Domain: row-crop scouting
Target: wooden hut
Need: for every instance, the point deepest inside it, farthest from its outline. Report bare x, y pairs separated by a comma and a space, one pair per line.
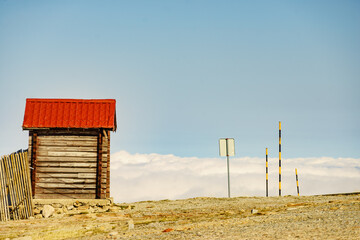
69, 147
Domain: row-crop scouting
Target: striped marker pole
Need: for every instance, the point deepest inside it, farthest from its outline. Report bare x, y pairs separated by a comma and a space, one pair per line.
279, 158
267, 174
297, 182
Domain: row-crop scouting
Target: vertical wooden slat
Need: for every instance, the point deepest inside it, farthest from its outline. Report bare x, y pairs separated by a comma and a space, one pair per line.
99, 165
15, 211
22, 192
28, 184
108, 166
21, 185
5, 190
16, 182
19, 189
4, 207
22, 176
10, 186
33, 162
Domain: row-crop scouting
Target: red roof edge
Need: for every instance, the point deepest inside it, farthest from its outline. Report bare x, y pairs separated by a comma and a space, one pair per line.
70, 113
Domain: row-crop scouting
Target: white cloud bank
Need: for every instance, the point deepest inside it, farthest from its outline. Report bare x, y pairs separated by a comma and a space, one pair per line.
137, 177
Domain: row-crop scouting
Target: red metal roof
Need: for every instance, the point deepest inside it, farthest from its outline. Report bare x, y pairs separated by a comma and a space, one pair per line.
70, 113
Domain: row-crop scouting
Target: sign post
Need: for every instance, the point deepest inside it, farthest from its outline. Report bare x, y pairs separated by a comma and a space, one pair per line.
227, 148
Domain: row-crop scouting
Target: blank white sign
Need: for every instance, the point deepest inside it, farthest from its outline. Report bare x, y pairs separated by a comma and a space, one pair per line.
227, 147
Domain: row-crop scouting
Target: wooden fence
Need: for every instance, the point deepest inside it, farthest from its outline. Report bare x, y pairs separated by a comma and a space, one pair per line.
15, 187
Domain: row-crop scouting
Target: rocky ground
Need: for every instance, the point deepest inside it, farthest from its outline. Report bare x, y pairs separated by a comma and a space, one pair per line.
289, 217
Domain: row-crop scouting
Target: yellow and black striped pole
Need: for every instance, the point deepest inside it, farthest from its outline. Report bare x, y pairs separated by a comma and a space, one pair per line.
297, 182
279, 158
267, 174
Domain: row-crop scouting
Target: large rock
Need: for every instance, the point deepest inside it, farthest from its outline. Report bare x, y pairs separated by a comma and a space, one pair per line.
36, 211
84, 207
113, 234
57, 205
23, 238
254, 211
130, 224
114, 209
48, 211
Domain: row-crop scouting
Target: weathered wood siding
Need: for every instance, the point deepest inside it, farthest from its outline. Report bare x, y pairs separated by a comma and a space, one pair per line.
66, 164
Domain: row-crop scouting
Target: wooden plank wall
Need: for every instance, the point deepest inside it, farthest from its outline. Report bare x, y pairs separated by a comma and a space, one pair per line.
67, 166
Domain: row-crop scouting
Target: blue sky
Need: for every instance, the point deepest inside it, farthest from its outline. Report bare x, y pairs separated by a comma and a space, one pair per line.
186, 73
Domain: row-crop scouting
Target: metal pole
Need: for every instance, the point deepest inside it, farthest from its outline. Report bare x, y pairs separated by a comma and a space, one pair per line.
267, 172
228, 168
228, 176
297, 182
279, 158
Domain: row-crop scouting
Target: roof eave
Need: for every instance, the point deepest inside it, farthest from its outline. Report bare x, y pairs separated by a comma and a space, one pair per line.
49, 128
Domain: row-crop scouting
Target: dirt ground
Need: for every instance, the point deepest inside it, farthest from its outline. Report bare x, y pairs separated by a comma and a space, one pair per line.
289, 217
